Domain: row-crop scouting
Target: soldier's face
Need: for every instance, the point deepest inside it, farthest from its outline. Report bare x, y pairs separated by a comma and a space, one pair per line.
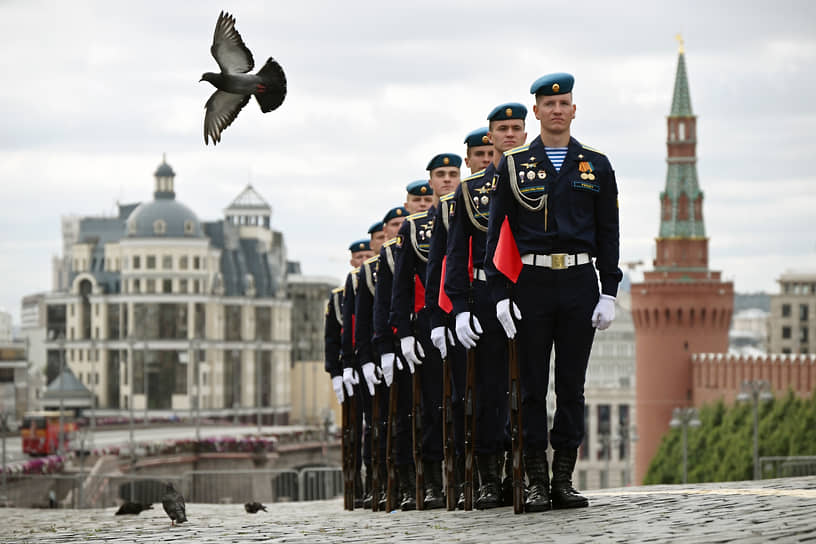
377, 240
555, 113
392, 227
478, 158
507, 134
357, 257
418, 203
444, 180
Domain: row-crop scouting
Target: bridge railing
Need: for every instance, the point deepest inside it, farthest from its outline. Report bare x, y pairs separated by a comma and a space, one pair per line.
787, 466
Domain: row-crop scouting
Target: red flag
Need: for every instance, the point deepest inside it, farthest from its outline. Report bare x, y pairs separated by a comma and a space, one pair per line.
507, 258
419, 294
353, 326
444, 302
470, 259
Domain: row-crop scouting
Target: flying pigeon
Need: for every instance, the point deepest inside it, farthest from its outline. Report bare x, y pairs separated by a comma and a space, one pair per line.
254, 507
234, 83
133, 508
173, 504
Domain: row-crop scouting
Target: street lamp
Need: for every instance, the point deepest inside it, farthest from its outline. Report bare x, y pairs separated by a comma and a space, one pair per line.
61, 434
94, 377
196, 392
684, 418
755, 391
258, 380
132, 344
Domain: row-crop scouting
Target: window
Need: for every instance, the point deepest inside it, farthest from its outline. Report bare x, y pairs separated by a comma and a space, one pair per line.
196, 263
803, 312
786, 333
604, 430
189, 227
137, 261
786, 350
159, 226
182, 286
150, 262
167, 262
803, 334
167, 286
150, 286
136, 285
183, 262
786, 310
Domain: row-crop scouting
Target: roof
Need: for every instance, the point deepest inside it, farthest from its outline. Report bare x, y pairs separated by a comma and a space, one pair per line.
249, 199
681, 100
66, 386
141, 222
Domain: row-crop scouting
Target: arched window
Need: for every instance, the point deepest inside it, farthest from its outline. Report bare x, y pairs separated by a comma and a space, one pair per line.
159, 226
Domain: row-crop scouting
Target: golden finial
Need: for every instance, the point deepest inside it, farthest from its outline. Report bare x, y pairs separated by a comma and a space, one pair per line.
680, 48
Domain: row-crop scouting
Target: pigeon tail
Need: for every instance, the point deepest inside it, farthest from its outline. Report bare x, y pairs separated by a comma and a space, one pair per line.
271, 92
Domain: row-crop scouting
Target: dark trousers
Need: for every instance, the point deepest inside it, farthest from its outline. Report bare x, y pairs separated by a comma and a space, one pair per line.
457, 362
364, 406
381, 398
491, 377
431, 377
403, 447
556, 308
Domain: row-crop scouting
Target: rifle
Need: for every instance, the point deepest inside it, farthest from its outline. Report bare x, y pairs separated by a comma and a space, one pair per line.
390, 441
516, 432
375, 450
469, 423
416, 414
348, 454
447, 434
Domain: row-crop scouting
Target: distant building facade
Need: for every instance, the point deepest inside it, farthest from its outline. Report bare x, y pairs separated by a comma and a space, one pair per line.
165, 310
793, 314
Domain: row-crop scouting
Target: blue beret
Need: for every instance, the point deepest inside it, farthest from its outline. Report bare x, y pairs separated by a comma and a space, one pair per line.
444, 159
376, 227
360, 245
399, 211
477, 138
552, 84
511, 110
420, 187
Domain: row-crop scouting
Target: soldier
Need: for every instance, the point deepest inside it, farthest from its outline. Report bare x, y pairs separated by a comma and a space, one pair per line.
412, 326
419, 198
476, 324
478, 155
360, 251
553, 210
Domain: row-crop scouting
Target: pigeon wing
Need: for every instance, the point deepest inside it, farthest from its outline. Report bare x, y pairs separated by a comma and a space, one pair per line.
228, 48
221, 110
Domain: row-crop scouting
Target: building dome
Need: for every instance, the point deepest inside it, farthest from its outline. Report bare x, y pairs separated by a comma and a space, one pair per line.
164, 170
163, 218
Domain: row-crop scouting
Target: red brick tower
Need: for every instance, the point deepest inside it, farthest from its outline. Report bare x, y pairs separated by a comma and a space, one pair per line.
681, 307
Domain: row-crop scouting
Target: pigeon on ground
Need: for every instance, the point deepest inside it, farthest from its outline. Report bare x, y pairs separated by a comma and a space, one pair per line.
234, 83
173, 504
254, 507
133, 508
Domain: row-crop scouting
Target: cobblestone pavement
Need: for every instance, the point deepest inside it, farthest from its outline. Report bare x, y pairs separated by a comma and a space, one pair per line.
782, 510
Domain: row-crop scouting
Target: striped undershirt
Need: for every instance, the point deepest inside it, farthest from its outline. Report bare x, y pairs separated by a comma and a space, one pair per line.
557, 156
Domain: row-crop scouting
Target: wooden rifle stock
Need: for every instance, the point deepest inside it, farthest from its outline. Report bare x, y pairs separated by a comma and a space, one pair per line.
348, 453
390, 441
447, 432
416, 416
469, 424
375, 449
516, 429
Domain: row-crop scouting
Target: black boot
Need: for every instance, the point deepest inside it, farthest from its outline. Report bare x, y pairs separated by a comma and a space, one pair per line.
382, 492
563, 494
491, 482
507, 482
538, 474
358, 489
407, 485
459, 469
367, 495
433, 485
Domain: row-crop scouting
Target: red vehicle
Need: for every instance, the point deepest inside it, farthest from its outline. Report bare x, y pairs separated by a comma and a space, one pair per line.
40, 432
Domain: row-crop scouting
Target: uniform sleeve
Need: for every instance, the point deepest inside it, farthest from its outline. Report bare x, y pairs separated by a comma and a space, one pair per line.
402, 292
348, 324
332, 346
383, 335
500, 207
439, 242
363, 318
457, 283
607, 227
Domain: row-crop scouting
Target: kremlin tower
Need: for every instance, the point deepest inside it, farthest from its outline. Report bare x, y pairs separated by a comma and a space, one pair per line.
681, 307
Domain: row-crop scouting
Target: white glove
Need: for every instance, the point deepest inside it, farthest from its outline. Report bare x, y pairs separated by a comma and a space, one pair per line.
337, 385
387, 365
439, 340
468, 336
412, 351
370, 375
505, 315
604, 312
351, 379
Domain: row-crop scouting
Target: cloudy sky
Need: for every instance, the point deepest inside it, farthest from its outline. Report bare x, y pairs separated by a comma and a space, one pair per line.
94, 92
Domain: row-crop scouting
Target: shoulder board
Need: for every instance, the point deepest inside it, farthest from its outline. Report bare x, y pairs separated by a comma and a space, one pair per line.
593, 149
447, 197
518, 149
477, 175
372, 260
391, 242
338, 289
355, 271
418, 215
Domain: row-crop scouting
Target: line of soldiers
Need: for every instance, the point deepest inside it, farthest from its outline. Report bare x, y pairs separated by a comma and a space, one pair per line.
441, 337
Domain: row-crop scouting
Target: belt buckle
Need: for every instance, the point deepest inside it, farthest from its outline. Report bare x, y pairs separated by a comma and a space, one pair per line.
558, 261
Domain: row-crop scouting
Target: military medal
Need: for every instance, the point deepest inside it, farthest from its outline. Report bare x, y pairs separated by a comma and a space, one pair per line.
586, 169
485, 200
531, 175
542, 174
